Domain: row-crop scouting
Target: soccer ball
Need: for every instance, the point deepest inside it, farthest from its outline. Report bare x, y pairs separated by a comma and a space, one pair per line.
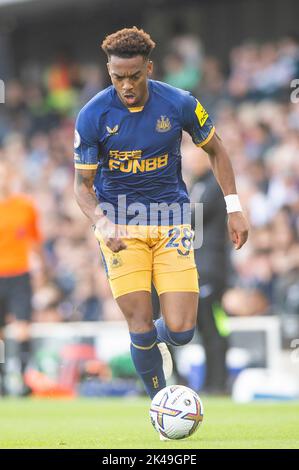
176, 412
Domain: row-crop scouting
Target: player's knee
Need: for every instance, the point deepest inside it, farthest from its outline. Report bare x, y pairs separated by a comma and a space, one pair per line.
138, 322
140, 327
137, 313
181, 337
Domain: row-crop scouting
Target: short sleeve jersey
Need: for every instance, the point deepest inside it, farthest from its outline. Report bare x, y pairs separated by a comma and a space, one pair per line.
136, 151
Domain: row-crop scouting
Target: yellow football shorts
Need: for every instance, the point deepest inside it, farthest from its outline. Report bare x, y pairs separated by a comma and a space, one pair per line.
160, 254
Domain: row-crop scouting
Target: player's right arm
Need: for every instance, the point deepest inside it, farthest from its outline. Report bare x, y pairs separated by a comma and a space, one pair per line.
85, 195
86, 164
89, 204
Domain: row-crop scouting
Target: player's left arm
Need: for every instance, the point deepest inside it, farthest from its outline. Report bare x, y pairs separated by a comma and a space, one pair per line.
197, 122
221, 165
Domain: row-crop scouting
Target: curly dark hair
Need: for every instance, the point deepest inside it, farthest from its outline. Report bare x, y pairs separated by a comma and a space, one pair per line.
128, 42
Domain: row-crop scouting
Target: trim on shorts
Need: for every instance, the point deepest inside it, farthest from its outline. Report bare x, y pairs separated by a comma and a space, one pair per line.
178, 291
130, 291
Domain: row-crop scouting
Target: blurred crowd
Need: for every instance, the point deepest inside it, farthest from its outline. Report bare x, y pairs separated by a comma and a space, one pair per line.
249, 98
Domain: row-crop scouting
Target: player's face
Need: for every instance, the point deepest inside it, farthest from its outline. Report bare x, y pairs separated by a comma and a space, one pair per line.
129, 77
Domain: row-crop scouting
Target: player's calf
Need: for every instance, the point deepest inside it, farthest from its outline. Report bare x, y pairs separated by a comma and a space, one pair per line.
148, 361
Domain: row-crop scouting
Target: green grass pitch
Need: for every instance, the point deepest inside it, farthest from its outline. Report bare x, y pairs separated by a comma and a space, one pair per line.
125, 424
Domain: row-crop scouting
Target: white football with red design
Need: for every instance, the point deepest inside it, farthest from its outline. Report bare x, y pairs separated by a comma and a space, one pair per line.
176, 412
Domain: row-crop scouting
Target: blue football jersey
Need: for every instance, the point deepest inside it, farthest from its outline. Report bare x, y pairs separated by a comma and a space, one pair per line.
136, 151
